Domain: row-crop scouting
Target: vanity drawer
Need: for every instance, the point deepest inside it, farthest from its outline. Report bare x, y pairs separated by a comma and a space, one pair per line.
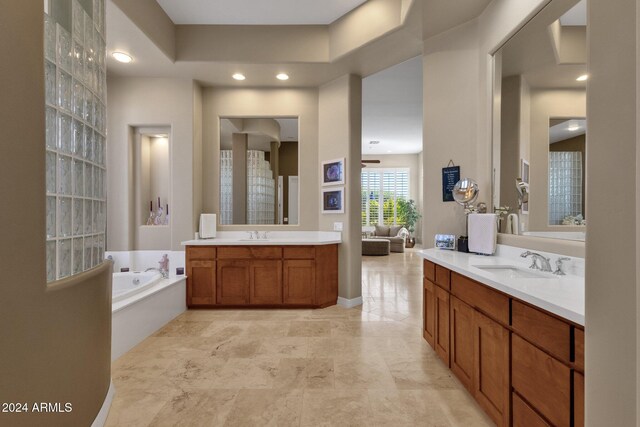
524, 415
249, 252
299, 252
491, 303
429, 271
201, 252
443, 277
545, 331
542, 380
578, 339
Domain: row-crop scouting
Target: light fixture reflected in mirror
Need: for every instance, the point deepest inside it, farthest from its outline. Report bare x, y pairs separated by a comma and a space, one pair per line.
125, 58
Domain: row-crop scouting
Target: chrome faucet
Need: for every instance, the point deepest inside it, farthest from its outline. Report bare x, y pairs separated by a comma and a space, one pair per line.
559, 270
546, 266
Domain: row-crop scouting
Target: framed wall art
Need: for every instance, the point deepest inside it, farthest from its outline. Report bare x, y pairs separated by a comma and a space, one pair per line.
333, 200
333, 172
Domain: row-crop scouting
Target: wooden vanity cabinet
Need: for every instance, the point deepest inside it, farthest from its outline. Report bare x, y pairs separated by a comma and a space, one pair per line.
524, 366
429, 312
299, 281
462, 342
201, 276
491, 368
271, 276
442, 324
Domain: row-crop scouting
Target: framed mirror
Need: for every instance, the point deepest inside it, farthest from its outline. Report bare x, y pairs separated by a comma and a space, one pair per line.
539, 147
259, 177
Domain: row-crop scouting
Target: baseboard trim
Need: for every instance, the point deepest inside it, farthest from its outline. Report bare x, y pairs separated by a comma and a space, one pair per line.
101, 418
350, 303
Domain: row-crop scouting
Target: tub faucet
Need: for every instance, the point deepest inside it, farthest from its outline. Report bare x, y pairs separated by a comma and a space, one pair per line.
546, 266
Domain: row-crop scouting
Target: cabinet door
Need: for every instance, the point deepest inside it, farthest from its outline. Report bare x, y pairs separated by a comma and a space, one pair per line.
542, 381
233, 282
491, 360
442, 324
201, 283
461, 319
266, 282
429, 315
299, 282
578, 399
524, 415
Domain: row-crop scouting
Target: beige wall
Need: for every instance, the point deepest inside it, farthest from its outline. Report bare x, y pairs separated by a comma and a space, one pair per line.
450, 125
55, 340
612, 241
340, 135
147, 102
230, 102
414, 163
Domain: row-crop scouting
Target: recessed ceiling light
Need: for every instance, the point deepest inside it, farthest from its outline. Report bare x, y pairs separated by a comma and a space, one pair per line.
125, 58
582, 78
282, 76
238, 76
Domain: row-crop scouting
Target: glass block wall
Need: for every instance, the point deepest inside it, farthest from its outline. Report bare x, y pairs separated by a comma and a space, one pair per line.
565, 185
75, 97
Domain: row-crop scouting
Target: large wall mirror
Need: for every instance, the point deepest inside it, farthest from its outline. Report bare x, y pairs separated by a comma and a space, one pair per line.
539, 158
259, 177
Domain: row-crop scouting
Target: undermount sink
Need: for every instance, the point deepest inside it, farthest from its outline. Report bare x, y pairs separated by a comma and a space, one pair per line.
512, 272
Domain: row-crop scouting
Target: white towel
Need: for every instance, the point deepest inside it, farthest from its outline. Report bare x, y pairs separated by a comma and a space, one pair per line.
207, 226
483, 233
513, 226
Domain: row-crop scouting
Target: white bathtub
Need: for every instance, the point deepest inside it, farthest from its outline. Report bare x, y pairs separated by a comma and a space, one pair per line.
126, 285
143, 302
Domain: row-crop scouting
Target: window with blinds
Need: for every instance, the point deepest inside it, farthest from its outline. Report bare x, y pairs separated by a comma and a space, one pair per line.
381, 191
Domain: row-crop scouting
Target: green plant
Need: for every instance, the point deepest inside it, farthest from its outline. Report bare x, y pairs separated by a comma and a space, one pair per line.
408, 214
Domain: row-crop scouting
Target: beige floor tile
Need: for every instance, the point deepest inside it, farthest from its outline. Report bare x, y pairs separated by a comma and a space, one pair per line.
196, 408
336, 408
255, 373
186, 328
365, 372
266, 408
310, 328
301, 373
136, 407
284, 347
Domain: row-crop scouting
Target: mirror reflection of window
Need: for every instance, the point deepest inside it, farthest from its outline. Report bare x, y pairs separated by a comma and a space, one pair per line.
567, 152
259, 171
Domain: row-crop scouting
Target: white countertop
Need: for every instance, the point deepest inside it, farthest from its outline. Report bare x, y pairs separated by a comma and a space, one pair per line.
275, 238
560, 295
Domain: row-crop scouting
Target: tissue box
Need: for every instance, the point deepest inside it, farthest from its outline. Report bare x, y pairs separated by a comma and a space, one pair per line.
207, 226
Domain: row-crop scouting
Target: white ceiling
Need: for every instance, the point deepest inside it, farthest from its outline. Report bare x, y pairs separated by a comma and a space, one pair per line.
560, 131
257, 12
577, 15
530, 53
392, 109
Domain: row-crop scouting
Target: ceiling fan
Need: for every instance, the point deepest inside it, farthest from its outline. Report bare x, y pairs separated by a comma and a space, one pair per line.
364, 162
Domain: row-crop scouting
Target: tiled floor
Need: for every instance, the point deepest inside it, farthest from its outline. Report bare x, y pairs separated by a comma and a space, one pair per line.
363, 366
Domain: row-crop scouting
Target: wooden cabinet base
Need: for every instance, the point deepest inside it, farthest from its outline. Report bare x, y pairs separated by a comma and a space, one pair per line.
262, 277
523, 365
